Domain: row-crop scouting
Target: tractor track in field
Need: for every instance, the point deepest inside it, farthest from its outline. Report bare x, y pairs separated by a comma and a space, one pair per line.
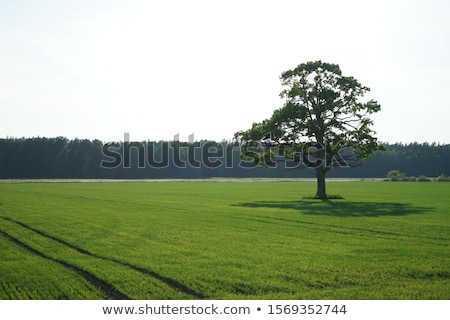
109, 290
168, 281
349, 230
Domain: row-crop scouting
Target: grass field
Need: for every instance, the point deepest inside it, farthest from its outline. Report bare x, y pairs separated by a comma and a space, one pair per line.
224, 240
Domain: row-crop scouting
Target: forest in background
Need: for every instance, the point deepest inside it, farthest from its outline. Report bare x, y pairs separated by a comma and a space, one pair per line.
52, 158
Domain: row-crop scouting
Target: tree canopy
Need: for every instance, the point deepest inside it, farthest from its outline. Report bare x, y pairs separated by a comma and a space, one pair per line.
322, 124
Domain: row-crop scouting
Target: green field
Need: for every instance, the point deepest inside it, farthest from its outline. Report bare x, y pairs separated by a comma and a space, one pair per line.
224, 240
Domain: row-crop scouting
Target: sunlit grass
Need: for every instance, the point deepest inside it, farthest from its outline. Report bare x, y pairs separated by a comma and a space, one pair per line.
224, 240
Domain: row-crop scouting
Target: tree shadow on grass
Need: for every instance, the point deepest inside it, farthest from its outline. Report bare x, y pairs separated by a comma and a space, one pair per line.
342, 208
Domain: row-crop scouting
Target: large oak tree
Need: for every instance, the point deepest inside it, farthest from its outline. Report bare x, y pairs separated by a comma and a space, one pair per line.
323, 123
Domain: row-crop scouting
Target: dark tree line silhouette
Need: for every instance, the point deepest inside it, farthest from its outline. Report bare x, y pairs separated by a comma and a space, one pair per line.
47, 158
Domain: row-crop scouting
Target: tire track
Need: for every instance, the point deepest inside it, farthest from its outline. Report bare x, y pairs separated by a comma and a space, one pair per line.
169, 281
351, 230
109, 290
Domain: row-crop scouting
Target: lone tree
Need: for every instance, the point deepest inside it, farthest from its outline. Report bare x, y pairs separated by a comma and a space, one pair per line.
323, 123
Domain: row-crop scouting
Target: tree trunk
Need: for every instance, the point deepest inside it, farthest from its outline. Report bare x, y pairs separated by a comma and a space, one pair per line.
321, 190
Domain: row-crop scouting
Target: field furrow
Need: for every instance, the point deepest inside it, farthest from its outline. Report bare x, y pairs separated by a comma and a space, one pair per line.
227, 240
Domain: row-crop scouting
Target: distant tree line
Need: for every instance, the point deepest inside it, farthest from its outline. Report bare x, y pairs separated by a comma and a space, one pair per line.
396, 175
47, 158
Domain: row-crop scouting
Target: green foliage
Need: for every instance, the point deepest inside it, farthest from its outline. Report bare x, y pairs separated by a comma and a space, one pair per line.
323, 118
62, 158
443, 178
423, 179
396, 175
224, 240
322, 108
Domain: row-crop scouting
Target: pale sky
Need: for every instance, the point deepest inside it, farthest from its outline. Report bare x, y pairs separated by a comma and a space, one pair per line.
96, 69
